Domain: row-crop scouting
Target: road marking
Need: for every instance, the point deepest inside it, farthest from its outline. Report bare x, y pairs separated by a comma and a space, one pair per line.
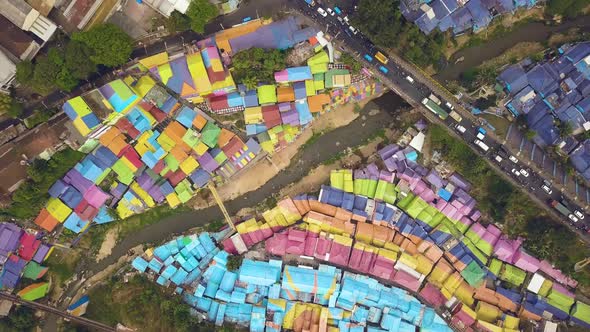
554, 168
509, 131
533, 152
521, 144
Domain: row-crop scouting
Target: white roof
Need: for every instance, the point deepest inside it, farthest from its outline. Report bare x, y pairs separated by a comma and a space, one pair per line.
418, 142
550, 327
7, 68
536, 283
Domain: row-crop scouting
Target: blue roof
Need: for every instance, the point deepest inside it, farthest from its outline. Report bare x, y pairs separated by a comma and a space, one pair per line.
259, 273
139, 264
186, 116
74, 223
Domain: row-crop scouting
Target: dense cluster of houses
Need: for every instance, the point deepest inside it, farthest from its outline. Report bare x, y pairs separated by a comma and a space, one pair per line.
548, 92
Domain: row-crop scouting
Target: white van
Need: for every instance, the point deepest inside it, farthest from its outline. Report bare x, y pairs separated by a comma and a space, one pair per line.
410, 79
481, 145
460, 129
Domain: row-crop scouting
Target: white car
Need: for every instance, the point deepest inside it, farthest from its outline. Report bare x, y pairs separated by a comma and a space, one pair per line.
515, 172
339, 18
353, 29
451, 107
410, 79
573, 218
460, 129
498, 158
524, 173
346, 18
480, 136
579, 214
322, 12
513, 159
546, 189
330, 11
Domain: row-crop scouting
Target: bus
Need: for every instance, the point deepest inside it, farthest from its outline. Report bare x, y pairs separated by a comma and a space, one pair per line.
382, 58
434, 108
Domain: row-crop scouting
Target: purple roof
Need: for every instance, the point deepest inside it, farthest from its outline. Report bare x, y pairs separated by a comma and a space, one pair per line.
434, 179
290, 117
460, 182
388, 151
76, 179
208, 163
96, 197
57, 188
9, 236
41, 253
200, 177
156, 193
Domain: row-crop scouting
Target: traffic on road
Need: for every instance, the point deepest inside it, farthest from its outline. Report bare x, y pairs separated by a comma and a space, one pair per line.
338, 24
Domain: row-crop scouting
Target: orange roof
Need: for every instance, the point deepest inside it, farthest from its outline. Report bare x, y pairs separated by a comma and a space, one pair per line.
178, 153
316, 103
117, 144
46, 221
285, 93
326, 209
109, 135
313, 40
176, 132
224, 137
343, 214
199, 122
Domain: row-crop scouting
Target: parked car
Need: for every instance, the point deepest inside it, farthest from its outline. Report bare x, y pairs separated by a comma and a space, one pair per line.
353, 29
515, 172
460, 129
524, 172
340, 19
513, 159
573, 218
547, 189
322, 12
498, 158
579, 214
383, 69
337, 10
330, 11
451, 107
410, 79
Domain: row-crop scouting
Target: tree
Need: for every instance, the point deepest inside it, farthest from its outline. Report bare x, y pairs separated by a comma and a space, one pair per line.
15, 110
565, 129
257, 65
5, 103
24, 72
21, 319
200, 12
568, 8
77, 55
45, 74
351, 62
110, 45
530, 134
234, 262
177, 22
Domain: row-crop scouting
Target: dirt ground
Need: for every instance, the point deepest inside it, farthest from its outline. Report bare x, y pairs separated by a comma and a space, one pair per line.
110, 240
267, 168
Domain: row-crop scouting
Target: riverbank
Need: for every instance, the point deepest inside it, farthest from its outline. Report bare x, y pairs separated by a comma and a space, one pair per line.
536, 32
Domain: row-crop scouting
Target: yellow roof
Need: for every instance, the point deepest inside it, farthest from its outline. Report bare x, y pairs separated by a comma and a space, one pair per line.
143, 86
165, 72
198, 72
155, 60
253, 115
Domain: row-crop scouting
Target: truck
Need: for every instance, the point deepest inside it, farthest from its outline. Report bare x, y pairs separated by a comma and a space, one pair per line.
481, 145
434, 108
560, 207
434, 99
381, 58
455, 116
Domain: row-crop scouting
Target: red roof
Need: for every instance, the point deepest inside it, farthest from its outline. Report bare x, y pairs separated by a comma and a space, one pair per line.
271, 116
233, 146
86, 211
28, 246
157, 113
133, 157
218, 102
176, 177
160, 165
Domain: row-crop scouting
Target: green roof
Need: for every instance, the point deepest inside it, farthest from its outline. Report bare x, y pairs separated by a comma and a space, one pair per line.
171, 162
473, 274
321, 57
210, 133
513, 275
581, 311
267, 94
331, 73
190, 137
34, 292
495, 266
34, 270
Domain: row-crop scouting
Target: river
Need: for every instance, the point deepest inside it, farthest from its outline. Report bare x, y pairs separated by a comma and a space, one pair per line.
328, 145
529, 32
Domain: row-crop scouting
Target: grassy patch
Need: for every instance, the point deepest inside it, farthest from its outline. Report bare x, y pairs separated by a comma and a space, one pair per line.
141, 304
152, 216
312, 140
215, 226
62, 264
501, 124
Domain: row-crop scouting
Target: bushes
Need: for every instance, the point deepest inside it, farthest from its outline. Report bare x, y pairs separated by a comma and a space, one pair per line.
257, 65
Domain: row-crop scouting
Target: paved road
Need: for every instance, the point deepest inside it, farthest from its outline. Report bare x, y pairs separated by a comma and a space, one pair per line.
396, 70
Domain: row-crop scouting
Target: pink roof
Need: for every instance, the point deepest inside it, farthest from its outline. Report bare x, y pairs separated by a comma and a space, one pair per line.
556, 274
490, 238
563, 290
339, 254
526, 261
296, 235
229, 247
494, 230
475, 215
478, 229
383, 268
440, 205
432, 295
428, 195
506, 248
406, 280
386, 176
322, 248
310, 244
96, 197
464, 317
295, 247
277, 244
466, 221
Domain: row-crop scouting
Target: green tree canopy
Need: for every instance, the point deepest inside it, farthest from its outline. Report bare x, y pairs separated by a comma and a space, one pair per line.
24, 72
567, 8
257, 65
200, 12
5, 102
110, 45
177, 22
45, 74
77, 55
